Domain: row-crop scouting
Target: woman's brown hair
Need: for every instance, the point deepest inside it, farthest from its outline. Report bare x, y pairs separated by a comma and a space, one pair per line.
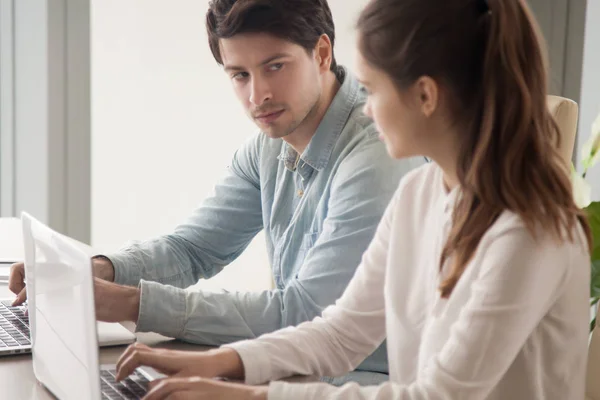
489, 56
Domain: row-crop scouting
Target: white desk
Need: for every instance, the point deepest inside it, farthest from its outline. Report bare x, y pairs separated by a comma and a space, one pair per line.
18, 382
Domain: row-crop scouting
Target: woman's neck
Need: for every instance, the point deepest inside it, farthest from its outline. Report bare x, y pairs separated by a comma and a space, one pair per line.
444, 149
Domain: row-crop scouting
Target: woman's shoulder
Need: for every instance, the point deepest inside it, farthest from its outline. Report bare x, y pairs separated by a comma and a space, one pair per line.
421, 178
510, 224
421, 184
419, 193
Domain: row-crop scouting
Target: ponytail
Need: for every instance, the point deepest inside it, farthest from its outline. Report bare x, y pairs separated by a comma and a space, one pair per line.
489, 53
512, 161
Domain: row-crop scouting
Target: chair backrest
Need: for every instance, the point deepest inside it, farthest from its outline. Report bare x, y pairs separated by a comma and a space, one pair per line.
565, 113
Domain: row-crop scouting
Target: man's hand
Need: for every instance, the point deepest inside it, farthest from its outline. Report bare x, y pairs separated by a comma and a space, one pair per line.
116, 303
101, 268
16, 283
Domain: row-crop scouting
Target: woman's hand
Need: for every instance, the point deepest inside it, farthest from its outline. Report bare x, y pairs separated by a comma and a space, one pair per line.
208, 364
201, 388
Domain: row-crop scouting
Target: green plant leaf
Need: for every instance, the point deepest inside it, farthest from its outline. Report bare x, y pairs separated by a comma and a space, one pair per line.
595, 280
593, 212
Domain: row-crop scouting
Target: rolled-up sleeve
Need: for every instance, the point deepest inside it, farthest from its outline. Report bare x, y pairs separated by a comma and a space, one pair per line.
217, 232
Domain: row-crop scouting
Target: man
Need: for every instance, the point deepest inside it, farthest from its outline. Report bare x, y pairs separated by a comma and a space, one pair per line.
316, 179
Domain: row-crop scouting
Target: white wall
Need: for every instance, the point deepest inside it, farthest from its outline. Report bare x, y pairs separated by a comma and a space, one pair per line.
165, 122
44, 116
590, 88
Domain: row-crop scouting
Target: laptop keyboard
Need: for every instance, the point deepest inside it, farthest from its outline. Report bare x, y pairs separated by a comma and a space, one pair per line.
14, 326
14, 332
133, 387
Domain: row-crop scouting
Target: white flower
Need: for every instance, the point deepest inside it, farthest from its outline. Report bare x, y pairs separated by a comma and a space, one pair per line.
582, 191
590, 153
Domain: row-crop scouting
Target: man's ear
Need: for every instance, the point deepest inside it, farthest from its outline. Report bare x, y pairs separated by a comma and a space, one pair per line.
324, 53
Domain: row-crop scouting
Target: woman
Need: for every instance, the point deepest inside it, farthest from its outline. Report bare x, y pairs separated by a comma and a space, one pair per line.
478, 275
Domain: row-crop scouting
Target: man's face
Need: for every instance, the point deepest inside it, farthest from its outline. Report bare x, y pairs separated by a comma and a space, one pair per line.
277, 81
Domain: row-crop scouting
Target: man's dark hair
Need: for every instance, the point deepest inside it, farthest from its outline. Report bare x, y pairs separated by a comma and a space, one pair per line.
299, 21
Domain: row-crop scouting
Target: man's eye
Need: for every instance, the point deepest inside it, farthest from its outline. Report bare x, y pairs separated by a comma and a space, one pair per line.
276, 66
240, 75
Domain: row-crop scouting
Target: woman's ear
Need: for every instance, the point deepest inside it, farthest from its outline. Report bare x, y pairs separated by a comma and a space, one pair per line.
428, 93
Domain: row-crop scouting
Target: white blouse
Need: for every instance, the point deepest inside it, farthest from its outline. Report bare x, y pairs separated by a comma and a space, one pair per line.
515, 326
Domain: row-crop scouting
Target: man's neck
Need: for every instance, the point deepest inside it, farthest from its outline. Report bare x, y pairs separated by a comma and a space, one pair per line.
300, 138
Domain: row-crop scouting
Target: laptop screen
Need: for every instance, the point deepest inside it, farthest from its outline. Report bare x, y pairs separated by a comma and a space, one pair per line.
61, 313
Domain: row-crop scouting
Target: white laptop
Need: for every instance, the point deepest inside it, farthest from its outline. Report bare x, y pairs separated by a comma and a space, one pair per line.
14, 331
62, 319
14, 323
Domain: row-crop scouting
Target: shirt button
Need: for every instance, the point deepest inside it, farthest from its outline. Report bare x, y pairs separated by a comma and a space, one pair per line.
300, 192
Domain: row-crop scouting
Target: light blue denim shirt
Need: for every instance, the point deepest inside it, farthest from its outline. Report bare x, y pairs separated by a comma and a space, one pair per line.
319, 213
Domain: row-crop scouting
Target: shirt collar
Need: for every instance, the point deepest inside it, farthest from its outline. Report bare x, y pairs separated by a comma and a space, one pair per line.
319, 149
450, 197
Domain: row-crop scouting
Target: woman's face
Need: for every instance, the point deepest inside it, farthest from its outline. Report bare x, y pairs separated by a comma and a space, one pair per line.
400, 118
